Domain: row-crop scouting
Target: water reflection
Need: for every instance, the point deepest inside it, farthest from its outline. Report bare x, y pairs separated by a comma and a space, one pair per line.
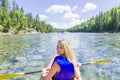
24, 53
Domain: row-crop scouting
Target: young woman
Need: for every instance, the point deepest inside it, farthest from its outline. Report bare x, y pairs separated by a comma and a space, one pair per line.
65, 66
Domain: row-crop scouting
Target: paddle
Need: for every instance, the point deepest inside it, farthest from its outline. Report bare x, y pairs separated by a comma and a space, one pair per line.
6, 76
98, 62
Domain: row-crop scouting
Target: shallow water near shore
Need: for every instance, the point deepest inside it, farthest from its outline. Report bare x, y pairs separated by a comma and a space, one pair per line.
32, 52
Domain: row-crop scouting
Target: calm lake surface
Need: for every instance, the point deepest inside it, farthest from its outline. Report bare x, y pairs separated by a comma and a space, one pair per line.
32, 52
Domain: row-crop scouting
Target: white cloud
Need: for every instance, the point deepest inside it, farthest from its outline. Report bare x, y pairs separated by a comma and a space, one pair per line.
74, 8
88, 7
71, 16
60, 9
67, 24
59, 25
75, 22
42, 17
74, 19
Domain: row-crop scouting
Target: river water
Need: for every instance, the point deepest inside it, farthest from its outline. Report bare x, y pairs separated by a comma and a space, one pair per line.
32, 52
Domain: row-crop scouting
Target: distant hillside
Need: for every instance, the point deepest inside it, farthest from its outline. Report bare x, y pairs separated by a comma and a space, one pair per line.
14, 20
104, 22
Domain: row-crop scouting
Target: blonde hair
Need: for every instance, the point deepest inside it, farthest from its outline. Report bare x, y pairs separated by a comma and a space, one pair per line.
68, 51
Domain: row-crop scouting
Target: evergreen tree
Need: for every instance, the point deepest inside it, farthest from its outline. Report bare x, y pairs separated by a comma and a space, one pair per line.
16, 20
104, 22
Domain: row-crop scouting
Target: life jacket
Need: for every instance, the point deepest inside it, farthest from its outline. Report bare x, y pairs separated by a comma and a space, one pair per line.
67, 69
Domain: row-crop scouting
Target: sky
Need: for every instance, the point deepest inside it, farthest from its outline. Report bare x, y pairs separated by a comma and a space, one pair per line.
64, 14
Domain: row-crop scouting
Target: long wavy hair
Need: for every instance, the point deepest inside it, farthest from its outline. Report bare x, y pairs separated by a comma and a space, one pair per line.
68, 53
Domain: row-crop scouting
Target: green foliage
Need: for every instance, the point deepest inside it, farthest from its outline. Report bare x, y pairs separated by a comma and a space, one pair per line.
104, 22
1, 28
15, 20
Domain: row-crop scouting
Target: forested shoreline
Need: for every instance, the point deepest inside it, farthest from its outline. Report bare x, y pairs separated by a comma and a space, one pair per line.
104, 22
14, 20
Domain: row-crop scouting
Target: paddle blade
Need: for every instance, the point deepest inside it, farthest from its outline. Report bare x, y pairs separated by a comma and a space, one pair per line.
6, 76
101, 61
